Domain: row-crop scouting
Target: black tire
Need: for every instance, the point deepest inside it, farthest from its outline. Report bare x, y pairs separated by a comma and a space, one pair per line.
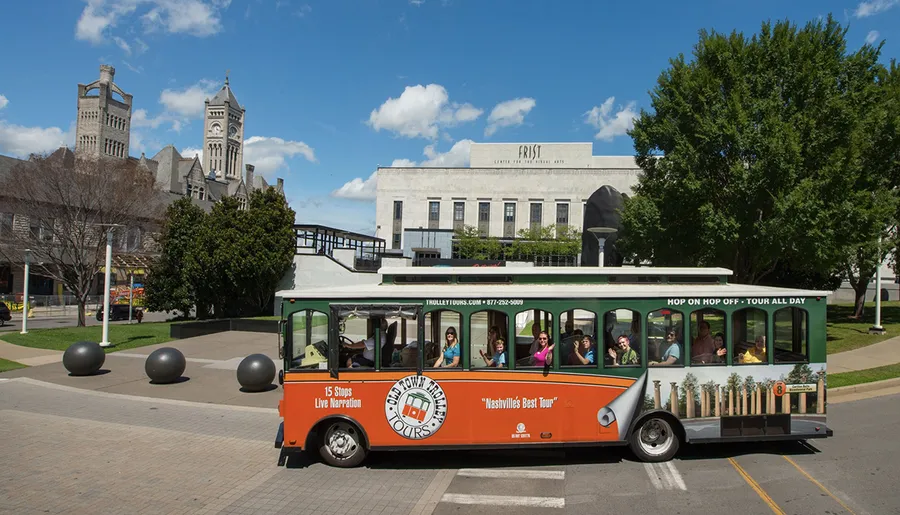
341, 444
99, 316
655, 439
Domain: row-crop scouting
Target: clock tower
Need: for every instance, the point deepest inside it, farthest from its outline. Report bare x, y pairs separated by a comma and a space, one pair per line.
223, 135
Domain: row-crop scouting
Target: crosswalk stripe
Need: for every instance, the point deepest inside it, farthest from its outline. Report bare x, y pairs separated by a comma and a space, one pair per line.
513, 473
665, 476
505, 500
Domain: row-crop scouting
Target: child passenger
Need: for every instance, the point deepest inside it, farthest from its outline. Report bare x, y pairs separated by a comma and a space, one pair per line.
498, 360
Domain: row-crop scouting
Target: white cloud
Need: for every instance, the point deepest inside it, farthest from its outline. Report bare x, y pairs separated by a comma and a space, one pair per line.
141, 46
358, 189
457, 156
135, 69
269, 154
416, 3
508, 114
140, 118
189, 152
421, 111
872, 37
198, 18
3, 101
611, 124
188, 102
21, 141
873, 7
121, 43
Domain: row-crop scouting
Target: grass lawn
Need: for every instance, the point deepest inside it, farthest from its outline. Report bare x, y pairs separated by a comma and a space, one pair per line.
864, 376
6, 364
121, 336
845, 333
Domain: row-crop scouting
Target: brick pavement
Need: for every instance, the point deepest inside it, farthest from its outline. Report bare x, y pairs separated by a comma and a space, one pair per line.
66, 450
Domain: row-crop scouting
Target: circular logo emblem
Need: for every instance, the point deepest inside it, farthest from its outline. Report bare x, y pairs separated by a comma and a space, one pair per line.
416, 407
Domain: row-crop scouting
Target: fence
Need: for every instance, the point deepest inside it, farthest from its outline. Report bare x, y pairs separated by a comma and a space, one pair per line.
58, 305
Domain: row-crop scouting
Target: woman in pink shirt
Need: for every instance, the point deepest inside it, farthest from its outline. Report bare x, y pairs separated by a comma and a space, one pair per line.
541, 357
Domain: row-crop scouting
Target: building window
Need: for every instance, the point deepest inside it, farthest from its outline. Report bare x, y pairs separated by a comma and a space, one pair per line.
395, 242
434, 214
201, 193
536, 211
484, 218
459, 211
188, 191
562, 214
509, 219
459, 215
484, 211
398, 210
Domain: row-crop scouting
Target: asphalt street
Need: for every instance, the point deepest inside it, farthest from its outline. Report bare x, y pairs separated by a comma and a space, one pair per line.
113, 453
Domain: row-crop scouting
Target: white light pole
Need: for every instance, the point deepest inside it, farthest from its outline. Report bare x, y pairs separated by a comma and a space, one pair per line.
877, 329
109, 238
25, 292
602, 233
130, 296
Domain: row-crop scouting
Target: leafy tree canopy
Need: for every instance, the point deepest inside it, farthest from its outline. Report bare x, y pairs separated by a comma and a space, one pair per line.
772, 150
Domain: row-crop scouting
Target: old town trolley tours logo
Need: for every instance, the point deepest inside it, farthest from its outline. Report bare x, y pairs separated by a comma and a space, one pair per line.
416, 407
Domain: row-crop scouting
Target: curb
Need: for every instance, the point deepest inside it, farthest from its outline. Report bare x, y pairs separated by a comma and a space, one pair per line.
833, 393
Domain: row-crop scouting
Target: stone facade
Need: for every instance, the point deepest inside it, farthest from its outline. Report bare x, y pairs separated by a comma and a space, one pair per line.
223, 135
103, 124
501, 192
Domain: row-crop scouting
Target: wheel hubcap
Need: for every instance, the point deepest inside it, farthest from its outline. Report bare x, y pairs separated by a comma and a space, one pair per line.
342, 441
656, 437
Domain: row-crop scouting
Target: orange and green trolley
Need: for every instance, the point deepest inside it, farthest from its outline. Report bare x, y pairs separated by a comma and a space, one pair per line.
651, 358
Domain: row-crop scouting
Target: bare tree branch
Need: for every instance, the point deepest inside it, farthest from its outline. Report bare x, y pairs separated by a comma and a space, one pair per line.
64, 205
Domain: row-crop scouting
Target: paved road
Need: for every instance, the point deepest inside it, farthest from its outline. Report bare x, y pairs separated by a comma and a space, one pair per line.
77, 451
49, 322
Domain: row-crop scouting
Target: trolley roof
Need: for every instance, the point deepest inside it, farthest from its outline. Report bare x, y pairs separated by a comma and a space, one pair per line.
549, 283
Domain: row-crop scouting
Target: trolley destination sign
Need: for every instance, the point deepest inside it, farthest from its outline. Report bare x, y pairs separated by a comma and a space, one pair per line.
690, 301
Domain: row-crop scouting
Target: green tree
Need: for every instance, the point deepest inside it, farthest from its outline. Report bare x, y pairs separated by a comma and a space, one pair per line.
269, 244
169, 286
764, 151
219, 262
472, 245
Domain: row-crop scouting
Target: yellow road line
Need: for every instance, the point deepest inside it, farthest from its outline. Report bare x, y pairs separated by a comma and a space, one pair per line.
820, 485
756, 488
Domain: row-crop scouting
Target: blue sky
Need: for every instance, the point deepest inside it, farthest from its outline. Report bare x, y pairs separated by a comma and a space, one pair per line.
335, 88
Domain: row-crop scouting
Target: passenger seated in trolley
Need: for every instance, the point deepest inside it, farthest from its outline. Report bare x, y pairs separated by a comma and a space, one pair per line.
498, 359
583, 352
450, 355
625, 354
672, 353
367, 357
755, 354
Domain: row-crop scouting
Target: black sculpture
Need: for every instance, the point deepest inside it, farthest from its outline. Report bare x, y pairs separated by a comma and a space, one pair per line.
164, 365
256, 372
83, 358
602, 210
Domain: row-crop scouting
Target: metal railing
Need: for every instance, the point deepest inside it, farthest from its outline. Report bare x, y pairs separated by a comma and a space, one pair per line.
55, 305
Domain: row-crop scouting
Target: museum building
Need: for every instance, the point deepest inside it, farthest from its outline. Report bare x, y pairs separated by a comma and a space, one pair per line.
506, 187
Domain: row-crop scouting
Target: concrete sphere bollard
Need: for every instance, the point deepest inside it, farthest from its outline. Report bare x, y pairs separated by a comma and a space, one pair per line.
256, 372
84, 358
165, 365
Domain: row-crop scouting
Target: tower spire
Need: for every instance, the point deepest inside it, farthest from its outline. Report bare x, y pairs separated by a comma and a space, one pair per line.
226, 76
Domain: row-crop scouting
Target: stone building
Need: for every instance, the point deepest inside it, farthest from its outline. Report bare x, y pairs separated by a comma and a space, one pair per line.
506, 187
103, 130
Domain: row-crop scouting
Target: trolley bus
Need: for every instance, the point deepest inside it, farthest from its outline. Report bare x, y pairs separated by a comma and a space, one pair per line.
469, 358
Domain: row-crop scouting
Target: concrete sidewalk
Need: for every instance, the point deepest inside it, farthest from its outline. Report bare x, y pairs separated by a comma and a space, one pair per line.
875, 355
28, 355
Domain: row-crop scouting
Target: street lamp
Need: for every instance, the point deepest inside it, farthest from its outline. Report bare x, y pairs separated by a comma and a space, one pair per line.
25, 292
104, 342
877, 329
602, 233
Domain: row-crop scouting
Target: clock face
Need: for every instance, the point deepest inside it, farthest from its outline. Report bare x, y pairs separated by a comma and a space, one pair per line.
232, 131
216, 129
